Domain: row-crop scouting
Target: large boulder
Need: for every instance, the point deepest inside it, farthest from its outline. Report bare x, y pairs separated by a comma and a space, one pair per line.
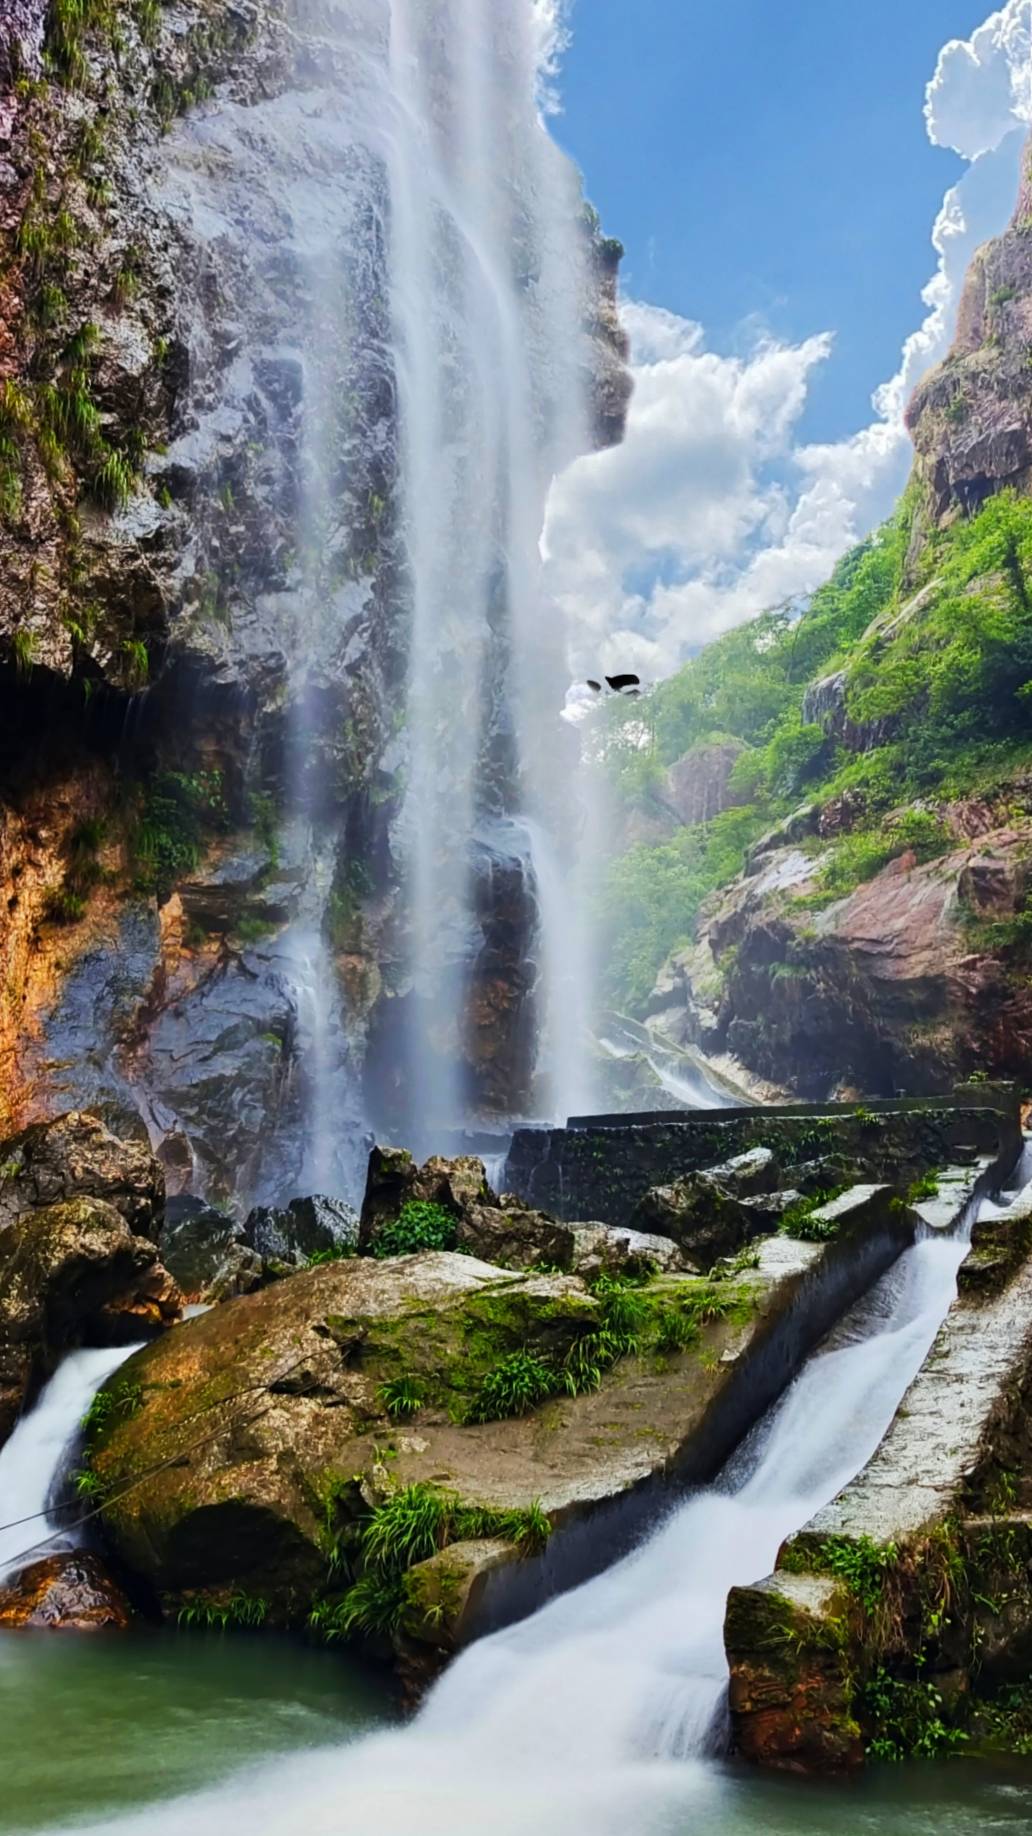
512, 1236
353, 1447
304, 1228
73, 1274
75, 1156
64, 1593
195, 1240
263, 1423
607, 1249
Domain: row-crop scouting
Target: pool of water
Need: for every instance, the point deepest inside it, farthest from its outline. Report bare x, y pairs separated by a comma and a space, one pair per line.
98, 1724
112, 1728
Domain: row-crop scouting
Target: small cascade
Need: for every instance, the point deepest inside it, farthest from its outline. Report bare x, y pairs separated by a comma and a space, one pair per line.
31, 1461
327, 1145
602, 1711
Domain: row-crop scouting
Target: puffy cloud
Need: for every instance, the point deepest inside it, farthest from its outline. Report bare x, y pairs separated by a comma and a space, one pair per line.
712, 509
982, 85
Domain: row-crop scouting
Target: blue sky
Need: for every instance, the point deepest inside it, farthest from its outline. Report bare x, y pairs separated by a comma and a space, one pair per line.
800, 188
769, 157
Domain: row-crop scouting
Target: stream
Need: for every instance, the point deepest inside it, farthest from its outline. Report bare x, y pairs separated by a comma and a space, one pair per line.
603, 1712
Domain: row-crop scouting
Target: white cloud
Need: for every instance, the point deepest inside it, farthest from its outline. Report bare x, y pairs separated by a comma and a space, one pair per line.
983, 84
712, 509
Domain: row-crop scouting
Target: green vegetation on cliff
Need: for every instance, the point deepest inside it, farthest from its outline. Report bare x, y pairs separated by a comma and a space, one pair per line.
901, 684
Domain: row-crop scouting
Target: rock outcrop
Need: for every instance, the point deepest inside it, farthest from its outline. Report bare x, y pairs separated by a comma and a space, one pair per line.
76, 1157
971, 419
64, 1593
165, 330
73, 1274
906, 985
304, 1228
80, 1210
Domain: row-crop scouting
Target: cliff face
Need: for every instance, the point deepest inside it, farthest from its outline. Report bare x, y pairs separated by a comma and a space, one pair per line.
182, 279
971, 419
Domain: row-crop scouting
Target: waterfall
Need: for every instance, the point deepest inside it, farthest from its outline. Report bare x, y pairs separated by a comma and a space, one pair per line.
403, 268
31, 1461
602, 1711
401, 329
488, 286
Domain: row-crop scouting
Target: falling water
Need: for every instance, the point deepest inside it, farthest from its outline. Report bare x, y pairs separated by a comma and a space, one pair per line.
424, 372
488, 287
31, 1461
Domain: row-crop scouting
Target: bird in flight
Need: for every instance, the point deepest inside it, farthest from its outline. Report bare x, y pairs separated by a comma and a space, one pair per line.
625, 684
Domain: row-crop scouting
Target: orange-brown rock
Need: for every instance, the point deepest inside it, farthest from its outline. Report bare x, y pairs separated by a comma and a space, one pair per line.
790, 1692
64, 1593
908, 984
75, 1156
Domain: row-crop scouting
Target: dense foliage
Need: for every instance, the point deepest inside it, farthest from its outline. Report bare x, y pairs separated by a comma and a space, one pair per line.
420, 1225
934, 702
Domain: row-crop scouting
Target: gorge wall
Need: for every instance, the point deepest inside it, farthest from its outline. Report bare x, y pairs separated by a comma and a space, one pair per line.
208, 590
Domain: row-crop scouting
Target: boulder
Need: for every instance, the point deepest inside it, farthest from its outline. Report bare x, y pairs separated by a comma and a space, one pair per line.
194, 1241
515, 1237
75, 1156
73, 1274
606, 1249
270, 1433
277, 1402
711, 1214
64, 1593
244, 1271
394, 1178
306, 1227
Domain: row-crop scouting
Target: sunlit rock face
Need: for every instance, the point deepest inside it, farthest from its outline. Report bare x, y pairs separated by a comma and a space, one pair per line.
331, 300
971, 419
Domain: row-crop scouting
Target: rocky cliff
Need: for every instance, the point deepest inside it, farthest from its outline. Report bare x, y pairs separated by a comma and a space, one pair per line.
971, 419
180, 279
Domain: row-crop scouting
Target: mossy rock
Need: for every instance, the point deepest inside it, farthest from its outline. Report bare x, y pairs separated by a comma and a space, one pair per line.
264, 1418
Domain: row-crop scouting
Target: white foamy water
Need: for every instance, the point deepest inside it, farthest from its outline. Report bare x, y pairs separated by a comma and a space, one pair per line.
31, 1459
487, 283
597, 1714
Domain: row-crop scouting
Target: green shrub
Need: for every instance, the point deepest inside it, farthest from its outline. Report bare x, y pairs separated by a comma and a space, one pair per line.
241, 1609
63, 905
801, 1221
180, 809
926, 1187
401, 1397
652, 896
907, 1719
410, 1527
856, 858
516, 1385
112, 1405
420, 1225
338, 1252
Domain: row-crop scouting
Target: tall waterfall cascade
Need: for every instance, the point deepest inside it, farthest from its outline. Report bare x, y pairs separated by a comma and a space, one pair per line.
488, 291
419, 282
